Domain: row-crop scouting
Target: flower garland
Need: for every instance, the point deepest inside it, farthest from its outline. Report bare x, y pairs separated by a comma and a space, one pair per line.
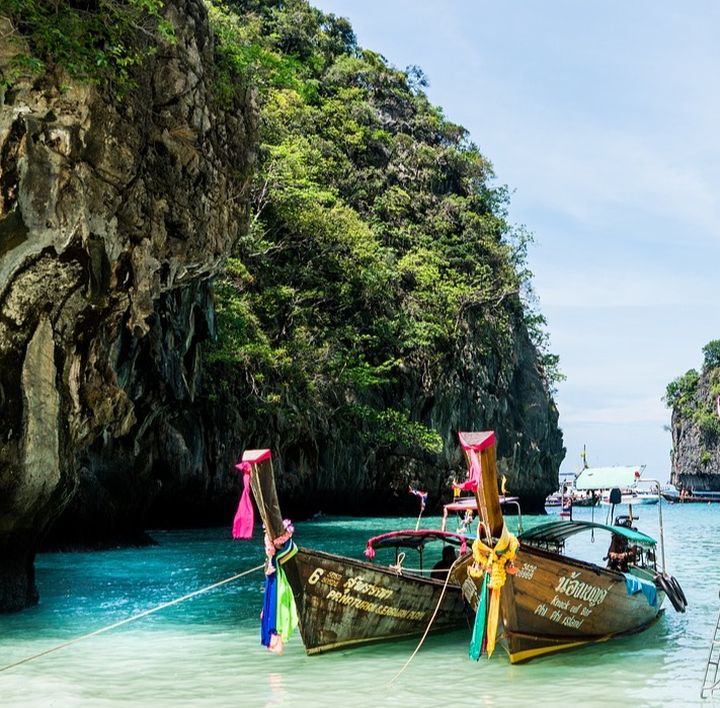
493, 565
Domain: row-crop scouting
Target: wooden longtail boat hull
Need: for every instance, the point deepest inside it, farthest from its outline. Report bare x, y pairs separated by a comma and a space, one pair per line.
342, 602
548, 601
554, 603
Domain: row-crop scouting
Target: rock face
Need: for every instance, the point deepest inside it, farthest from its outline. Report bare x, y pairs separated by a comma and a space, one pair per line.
113, 218
331, 471
695, 438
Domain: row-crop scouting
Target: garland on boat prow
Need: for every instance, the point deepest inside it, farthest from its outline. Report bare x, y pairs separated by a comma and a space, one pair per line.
547, 601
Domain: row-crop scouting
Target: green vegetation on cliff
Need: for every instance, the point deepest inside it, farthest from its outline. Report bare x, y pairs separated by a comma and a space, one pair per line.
378, 241
93, 40
693, 396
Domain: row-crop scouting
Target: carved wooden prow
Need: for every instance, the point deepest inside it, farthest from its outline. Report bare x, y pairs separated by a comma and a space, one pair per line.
262, 484
479, 449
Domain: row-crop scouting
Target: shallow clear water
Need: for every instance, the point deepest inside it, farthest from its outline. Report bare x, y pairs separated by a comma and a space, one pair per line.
206, 651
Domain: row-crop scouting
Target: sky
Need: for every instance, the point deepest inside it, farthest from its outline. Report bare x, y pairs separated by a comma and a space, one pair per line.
603, 120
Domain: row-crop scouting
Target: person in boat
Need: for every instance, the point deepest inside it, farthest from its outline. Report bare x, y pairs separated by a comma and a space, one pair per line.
620, 554
441, 568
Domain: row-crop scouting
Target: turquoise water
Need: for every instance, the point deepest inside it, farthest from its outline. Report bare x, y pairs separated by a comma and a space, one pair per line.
206, 651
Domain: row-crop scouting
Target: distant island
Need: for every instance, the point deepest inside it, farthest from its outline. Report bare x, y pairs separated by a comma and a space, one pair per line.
694, 399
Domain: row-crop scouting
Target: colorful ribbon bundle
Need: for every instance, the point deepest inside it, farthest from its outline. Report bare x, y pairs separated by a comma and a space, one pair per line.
244, 516
492, 564
279, 614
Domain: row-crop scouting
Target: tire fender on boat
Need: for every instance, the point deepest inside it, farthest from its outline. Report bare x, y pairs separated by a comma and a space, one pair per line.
670, 586
678, 590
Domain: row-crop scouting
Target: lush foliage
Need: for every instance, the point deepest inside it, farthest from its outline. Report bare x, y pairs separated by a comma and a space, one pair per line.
694, 395
680, 393
379, 253
711, 355
93, 40
378, 243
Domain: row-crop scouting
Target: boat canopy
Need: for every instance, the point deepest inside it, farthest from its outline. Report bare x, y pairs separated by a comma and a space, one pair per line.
607, 477
470, 503
558, 531
416, 539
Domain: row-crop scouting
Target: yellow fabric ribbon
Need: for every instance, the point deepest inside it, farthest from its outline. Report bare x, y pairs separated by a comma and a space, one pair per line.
494, 561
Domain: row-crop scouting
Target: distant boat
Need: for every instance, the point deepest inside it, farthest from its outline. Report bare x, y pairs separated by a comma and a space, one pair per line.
633, 497
585, 499
612, 477
699, 496
571, 497
568, 496
553, 500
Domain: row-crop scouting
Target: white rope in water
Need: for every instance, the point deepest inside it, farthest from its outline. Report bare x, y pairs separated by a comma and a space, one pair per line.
432, 619
145, 613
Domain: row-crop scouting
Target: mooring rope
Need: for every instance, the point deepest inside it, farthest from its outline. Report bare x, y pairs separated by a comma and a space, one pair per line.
432, 619
138, 616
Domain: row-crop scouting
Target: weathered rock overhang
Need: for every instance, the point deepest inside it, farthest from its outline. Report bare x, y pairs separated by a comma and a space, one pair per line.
114, 216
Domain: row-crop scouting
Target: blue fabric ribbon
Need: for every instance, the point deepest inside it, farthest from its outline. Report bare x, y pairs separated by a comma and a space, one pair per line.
478, 635
279, 614
633, 585
268, 625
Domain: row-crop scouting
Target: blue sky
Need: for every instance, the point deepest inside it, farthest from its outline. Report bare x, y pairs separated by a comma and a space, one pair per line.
603, 119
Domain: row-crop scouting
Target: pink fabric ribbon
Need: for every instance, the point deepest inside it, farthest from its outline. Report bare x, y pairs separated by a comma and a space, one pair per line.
244, 516
474, 472
469, 486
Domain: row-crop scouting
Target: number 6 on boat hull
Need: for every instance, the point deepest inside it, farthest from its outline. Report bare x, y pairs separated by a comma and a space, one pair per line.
342, 602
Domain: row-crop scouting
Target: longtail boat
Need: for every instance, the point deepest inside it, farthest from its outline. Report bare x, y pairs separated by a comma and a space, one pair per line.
542, 600
341, 602
627, 478
704, 496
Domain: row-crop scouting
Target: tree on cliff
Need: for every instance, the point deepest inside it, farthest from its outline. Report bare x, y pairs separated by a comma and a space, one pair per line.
711, 355
379, 268
100, 41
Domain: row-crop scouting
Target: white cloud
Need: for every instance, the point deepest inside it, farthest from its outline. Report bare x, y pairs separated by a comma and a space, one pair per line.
588, 173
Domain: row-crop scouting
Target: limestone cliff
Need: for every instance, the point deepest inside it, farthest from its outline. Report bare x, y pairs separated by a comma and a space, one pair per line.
695, 427
114, 215
320, 466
